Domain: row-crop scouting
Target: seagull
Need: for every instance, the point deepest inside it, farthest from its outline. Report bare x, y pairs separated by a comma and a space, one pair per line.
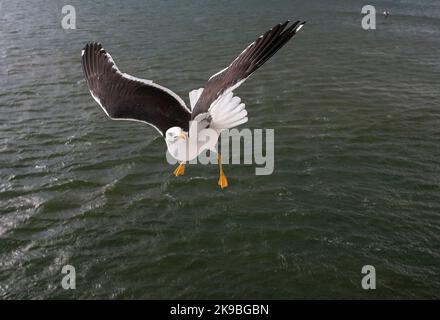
214, 107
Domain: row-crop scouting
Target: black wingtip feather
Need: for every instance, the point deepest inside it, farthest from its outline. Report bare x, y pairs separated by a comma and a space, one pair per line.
252, 58
272, 41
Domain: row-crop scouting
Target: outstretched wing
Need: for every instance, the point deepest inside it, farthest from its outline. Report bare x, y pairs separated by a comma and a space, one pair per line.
253, 57
123, 97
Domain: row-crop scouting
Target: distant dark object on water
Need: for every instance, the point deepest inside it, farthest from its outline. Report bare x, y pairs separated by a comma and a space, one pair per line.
386, 13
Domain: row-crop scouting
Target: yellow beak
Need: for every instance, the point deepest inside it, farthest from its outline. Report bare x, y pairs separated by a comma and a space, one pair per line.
183, 136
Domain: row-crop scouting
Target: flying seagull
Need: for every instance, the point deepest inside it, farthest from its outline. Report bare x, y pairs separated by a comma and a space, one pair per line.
124, 97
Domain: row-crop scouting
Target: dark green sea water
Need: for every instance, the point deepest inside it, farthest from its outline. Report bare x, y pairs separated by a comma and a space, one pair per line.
357, 158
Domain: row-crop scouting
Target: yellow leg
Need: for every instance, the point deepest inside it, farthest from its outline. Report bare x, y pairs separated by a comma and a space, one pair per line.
222, 180
180, 170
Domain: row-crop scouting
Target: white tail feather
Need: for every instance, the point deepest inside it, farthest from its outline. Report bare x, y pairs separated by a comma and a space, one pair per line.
227, 112
194, 97
232, 113
220, 103
228, 107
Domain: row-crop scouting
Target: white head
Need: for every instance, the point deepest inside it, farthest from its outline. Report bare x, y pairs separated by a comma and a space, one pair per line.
175, 134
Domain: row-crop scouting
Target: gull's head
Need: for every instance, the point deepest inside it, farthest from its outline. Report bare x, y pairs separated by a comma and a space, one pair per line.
174, 134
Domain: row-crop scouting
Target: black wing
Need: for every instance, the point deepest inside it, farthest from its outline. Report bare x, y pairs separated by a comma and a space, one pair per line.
253, 57
122, 96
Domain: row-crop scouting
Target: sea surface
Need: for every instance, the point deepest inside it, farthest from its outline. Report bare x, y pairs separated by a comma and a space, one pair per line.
356, 181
